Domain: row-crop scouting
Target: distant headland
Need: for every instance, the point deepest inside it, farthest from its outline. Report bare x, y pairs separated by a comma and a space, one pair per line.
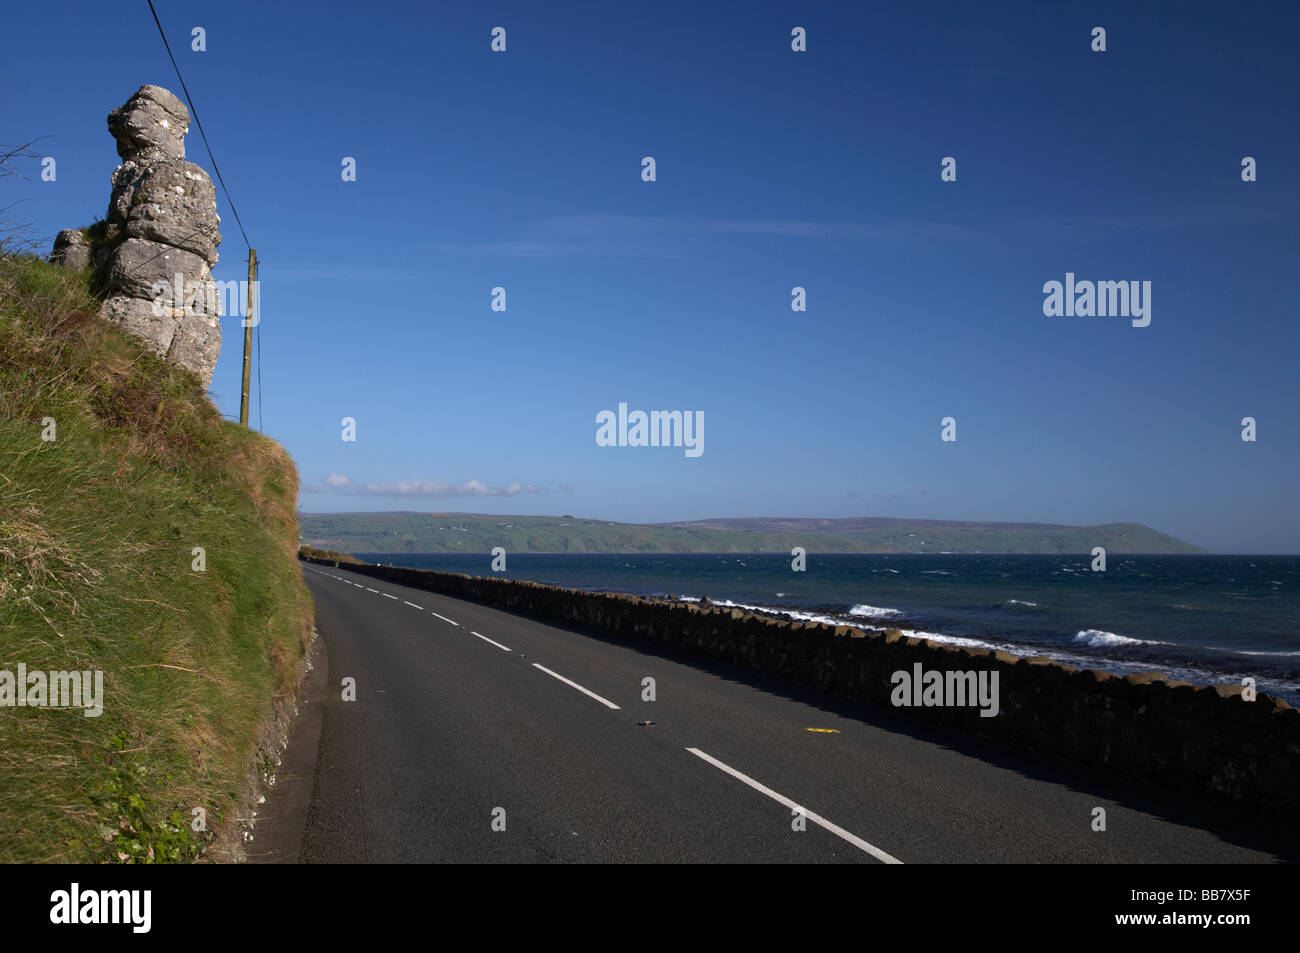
410, 532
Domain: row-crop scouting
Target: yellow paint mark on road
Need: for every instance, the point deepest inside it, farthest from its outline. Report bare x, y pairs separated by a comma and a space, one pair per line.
826, 731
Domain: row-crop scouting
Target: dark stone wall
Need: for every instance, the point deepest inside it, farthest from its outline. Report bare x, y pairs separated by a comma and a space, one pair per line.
1205, 739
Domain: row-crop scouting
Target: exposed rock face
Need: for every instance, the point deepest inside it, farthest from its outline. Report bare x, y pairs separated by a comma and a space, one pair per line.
155, 268
150, 126
71, 250
169, 201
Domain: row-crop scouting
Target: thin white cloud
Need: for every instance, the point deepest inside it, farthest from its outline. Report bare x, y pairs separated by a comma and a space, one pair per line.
342, 271
439, 488
603, 234
633, 235
342, 483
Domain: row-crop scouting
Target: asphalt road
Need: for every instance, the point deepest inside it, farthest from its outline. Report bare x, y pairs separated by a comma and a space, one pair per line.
467, 718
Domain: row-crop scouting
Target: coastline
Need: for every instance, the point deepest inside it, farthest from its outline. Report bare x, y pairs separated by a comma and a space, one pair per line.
1042, 605
1223, 742
1285, 689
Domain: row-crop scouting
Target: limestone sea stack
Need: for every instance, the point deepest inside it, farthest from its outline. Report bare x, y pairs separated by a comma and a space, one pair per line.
161, 232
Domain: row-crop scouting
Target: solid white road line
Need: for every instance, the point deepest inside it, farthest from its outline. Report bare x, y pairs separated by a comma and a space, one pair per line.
387, 596
414, 606
853, 839
603, 701
445, 619
486, 639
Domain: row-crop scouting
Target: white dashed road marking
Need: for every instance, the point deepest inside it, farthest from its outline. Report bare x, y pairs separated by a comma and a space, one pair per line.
853, 839
603, 701
486, 639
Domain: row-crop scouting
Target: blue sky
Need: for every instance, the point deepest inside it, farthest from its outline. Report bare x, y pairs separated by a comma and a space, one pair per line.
775, 169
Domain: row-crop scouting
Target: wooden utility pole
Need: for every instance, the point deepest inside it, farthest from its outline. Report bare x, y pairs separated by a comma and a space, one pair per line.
249, 318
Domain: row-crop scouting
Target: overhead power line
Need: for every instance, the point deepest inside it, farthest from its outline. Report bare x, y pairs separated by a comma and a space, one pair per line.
195, 113
252, 253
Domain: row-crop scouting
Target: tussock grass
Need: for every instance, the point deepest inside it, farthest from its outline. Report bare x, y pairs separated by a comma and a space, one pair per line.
97, 529
311, 552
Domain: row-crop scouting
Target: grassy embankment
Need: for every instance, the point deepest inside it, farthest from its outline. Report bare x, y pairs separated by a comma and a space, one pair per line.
97, 532
311, 552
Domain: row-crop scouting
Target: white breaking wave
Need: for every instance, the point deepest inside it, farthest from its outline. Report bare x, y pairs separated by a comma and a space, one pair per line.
1241, 652
873, 612
1019, 602
793, 613
797, 614
1084, 639
1096, 637
962, 641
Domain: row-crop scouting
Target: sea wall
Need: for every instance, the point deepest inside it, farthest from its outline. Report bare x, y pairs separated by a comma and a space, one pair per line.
1208, 740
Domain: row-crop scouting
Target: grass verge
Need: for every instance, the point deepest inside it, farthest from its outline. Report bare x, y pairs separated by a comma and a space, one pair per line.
99, 528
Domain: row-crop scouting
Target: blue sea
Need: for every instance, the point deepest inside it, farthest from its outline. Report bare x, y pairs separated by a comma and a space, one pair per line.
1202, 619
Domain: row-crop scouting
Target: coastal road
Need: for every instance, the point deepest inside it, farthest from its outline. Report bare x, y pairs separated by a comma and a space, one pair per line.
467, 718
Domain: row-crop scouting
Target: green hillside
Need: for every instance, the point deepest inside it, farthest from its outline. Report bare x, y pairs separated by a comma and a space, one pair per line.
477, 533
98, 528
